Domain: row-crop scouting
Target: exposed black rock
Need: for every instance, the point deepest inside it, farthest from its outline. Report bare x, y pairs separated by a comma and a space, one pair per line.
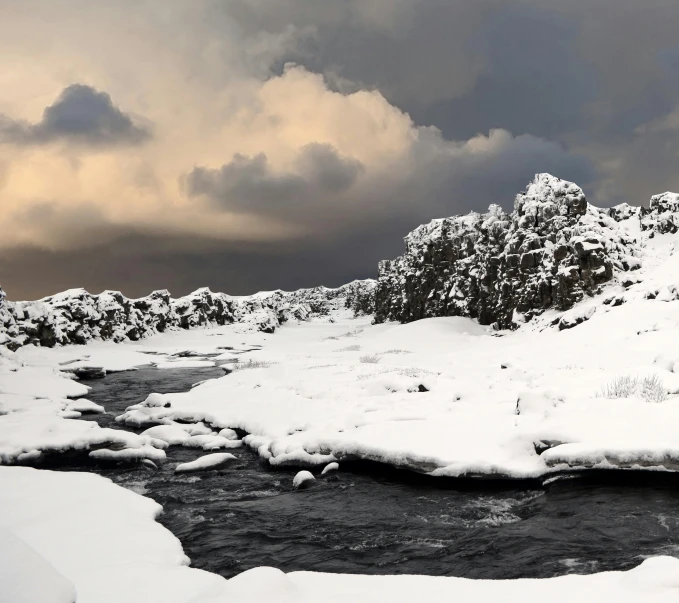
503, 269
661, 214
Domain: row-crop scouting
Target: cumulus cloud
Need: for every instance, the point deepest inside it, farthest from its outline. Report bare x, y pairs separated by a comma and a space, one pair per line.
249, 184
82, 115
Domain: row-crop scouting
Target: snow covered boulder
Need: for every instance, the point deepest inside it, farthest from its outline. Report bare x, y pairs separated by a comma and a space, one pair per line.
155, 400
303, 479
574, 317
209, 461
172, 434
229, 434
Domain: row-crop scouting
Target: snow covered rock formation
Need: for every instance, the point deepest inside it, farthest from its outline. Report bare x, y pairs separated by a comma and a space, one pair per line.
502, 269
76, 316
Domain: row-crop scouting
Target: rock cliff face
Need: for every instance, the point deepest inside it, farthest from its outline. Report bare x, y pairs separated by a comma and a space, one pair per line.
76, 316
503, 269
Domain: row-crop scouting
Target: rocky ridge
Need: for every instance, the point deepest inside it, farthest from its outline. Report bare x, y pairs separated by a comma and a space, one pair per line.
76, 316
505, 268
552, 251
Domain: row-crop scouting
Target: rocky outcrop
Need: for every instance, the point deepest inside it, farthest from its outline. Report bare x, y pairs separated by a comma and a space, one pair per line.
503, 269
500, 268
8, 326
661, 215
76, 316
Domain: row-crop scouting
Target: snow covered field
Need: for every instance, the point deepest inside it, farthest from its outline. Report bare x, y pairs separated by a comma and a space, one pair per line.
443, 396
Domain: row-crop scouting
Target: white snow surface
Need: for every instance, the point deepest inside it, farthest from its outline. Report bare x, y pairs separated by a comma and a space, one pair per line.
27, 577
331, 391
99, 536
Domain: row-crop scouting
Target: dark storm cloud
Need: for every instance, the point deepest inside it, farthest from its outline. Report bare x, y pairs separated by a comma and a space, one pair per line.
435, 178
137, 264
454, 179
344, 240
588, 73
530, 66
81, 114
248, 184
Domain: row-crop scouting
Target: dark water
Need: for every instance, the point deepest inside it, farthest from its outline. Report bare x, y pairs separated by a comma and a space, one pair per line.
368, 519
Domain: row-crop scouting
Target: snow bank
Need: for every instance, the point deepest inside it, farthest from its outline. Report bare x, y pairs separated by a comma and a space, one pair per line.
38, 420
101, 537
450, 398
654, 581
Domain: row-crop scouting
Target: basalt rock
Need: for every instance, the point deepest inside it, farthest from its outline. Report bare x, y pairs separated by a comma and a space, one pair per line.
76, 316
502, 269
9, 329
661, 215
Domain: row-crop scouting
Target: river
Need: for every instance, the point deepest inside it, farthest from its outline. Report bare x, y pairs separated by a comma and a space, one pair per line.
370, 519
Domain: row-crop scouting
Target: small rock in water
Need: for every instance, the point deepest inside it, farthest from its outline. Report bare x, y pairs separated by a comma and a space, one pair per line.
303, 480
149, 464
330, 467
209, 461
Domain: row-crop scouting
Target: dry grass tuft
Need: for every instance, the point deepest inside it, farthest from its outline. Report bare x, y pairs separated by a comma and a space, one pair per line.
252, 364
370, 359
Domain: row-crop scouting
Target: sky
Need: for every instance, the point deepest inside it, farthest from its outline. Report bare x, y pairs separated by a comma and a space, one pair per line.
253, 145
